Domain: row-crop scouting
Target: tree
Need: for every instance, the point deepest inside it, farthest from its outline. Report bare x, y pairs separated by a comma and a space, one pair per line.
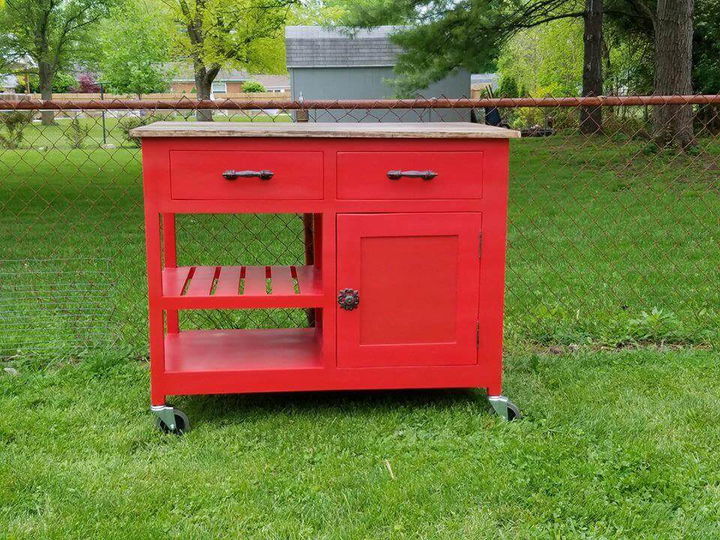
508, 87
706, 47
706, 60
591, 117
545, 60
442, 35
135, 45
229, 33
52, 33
317, 12
62, 82
673, 71
669, 25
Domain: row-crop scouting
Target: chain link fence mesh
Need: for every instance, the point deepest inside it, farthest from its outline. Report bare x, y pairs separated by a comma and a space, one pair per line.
613, 238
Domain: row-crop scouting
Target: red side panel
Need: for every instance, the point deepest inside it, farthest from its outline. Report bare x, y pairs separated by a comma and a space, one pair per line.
417, 277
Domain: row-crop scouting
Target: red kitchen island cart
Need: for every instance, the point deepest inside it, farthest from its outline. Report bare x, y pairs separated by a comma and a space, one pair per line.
406, 282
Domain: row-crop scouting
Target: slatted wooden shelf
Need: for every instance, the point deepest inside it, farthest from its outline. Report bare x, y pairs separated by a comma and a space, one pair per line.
219, 287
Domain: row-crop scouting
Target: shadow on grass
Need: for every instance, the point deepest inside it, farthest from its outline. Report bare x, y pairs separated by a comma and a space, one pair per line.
239, 407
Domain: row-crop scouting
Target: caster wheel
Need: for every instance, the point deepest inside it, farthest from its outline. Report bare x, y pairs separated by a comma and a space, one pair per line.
504, 408
513, 413
182, 424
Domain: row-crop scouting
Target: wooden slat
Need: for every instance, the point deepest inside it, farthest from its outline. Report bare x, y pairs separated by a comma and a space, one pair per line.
255, 281
228, 282
174, 280
308, 280
281, 281
201, 281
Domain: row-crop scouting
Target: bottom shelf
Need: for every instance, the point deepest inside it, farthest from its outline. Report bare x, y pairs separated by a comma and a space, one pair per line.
201, 351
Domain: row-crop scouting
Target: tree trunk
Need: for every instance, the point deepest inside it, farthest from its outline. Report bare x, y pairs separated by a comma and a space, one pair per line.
45, 74
203, 88
673, 72
591, 117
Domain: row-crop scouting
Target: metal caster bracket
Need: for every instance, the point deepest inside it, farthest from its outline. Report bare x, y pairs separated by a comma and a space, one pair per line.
504, 408
166, 413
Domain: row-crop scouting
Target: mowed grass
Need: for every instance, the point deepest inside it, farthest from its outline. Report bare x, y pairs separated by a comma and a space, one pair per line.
614, 444
608, 246
611, 336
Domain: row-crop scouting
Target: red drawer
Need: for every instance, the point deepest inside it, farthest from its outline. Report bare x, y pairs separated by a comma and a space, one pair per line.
394, 175
198, 174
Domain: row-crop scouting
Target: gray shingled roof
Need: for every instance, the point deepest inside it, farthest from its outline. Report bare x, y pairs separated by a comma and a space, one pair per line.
315, 46
272, 81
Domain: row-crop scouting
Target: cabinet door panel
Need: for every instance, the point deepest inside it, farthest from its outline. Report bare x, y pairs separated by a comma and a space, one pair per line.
417, 278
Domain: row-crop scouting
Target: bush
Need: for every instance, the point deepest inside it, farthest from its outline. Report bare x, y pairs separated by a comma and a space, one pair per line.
62, 82
14, 124
87, 84
136, 121
253, 86
508, 88
77, 133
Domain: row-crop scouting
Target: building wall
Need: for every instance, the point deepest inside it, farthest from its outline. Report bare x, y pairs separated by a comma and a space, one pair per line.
181, 87
234, 87
373, 83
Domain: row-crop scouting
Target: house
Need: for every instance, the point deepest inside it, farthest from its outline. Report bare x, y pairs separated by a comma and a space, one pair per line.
228, 81
15, 78
331, 64
273, 83
8, 84
483, 81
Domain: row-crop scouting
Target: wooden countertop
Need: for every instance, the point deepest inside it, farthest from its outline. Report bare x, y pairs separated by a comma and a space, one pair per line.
404, 130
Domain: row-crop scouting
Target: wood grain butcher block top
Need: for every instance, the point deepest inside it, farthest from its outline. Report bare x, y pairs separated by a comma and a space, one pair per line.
405, 130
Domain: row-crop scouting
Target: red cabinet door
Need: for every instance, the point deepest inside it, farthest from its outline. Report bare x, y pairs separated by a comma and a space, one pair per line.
417, 278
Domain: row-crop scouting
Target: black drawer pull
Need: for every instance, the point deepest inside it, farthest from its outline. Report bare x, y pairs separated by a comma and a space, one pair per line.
425, 175
262, 175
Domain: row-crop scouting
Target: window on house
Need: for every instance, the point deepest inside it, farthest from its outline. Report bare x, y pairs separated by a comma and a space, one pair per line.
219, 88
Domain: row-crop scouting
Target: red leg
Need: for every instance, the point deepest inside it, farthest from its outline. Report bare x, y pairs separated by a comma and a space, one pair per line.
317, 256
155, 313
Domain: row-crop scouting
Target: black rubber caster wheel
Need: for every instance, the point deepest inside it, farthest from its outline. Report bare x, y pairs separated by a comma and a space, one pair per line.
182, 424
513, 413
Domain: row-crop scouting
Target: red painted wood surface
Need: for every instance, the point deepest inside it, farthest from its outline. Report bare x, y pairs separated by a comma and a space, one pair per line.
398, 239
222, 287
364, 175
199, 175
242, 350
418, 277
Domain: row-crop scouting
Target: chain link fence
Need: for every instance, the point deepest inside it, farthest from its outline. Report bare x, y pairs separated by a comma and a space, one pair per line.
613, 238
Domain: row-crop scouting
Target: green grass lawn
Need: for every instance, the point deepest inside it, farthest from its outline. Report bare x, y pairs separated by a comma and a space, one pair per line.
611, 337
614, 444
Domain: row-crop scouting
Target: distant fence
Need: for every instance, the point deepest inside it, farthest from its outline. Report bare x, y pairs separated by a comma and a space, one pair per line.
261, 100
613, 241
164, 96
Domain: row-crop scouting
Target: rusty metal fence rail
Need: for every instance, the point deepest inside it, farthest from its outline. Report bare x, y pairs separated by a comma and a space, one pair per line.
614, 237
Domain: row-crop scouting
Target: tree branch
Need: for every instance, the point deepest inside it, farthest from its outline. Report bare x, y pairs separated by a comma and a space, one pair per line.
643, 8
538, 22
